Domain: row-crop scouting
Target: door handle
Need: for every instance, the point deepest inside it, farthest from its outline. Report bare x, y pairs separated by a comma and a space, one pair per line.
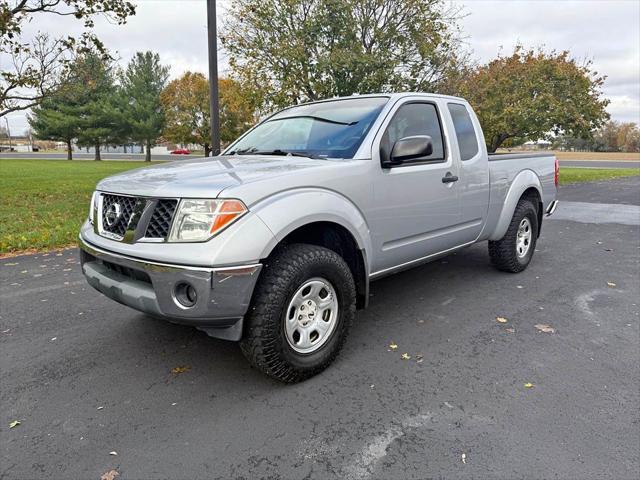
449, 178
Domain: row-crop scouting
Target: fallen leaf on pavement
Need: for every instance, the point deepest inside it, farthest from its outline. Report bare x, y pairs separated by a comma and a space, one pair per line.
501, 320
178, 370
545, 328
393, 346
99, 408
114, 453
528, 385
405, 356
464, 458
510, 330
611, 284
14, 424
110, 475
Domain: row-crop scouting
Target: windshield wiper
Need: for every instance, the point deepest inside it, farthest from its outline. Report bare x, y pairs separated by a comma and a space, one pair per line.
278, 151
242, 150
320, 119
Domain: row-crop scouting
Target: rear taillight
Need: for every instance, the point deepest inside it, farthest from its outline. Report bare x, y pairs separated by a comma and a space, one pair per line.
556, 174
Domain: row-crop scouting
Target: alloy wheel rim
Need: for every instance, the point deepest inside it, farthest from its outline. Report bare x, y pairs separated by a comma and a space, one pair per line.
311, 316
523, 240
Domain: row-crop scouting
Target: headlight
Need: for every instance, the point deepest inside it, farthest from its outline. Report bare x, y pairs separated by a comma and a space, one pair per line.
198, 220
93, 207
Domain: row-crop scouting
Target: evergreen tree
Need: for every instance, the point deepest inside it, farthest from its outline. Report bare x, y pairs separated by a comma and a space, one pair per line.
56, 119
101, 116
141, 85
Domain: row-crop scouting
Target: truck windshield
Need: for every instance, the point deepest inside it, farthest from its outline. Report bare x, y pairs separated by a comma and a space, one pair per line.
332, 129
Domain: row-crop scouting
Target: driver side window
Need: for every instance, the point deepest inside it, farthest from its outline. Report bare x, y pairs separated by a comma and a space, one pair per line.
415, 119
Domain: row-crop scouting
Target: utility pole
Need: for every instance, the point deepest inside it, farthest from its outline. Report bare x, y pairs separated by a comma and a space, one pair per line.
8, 134
213, 76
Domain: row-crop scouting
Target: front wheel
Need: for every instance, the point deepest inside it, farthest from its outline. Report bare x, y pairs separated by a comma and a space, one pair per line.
300, 314
513, 252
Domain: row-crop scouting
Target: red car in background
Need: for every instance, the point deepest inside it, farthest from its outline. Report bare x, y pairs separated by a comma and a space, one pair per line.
181, 151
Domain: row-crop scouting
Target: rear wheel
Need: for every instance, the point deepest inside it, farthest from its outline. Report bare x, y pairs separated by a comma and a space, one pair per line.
513, 252
301, 312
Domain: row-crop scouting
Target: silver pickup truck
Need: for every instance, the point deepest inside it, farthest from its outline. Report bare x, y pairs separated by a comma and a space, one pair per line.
274, 242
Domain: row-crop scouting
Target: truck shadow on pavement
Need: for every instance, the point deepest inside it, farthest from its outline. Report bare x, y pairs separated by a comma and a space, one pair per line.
396, 303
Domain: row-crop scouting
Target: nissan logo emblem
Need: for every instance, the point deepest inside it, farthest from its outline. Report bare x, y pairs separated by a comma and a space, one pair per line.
113, 213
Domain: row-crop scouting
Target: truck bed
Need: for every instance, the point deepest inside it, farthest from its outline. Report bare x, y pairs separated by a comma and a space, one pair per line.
494, 157
504, 168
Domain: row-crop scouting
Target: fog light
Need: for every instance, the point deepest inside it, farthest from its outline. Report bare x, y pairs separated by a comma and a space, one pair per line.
185, 295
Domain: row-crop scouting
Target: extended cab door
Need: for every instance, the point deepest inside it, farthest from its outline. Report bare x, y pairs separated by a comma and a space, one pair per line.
473, 185
416, 207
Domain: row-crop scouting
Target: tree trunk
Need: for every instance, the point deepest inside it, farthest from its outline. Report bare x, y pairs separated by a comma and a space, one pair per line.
497, 141
207, 149
97, 152
69, 154
147, 156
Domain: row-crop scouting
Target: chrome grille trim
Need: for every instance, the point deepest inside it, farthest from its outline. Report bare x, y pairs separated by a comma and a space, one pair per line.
140, 219
116, 214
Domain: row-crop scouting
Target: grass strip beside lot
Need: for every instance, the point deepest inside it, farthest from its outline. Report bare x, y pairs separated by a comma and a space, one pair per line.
614, 156
44, 202
580, 175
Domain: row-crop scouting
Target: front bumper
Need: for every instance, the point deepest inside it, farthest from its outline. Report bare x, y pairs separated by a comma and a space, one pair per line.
223, 293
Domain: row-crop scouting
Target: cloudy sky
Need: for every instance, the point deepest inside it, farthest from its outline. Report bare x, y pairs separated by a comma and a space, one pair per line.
604, 31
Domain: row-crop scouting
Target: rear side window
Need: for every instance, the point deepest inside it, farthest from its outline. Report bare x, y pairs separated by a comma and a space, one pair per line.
465, 133
415, 119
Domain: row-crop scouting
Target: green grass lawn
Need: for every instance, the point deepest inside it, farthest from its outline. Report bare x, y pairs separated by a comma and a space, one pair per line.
579, 175
44, 202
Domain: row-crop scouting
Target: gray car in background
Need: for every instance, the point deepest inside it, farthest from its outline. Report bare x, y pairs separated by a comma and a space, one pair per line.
274, 242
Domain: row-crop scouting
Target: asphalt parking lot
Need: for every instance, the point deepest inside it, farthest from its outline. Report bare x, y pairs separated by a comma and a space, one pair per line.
87, 377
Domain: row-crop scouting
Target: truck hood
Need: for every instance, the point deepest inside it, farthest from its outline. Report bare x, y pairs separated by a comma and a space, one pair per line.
205, 177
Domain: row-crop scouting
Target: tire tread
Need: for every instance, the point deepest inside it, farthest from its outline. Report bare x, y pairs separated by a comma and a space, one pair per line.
261, 344
502, 252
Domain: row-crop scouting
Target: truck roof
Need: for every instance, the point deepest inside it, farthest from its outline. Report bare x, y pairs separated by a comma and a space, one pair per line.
391, 96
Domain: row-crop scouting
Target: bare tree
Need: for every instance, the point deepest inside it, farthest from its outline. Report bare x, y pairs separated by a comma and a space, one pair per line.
34, 74
35, 66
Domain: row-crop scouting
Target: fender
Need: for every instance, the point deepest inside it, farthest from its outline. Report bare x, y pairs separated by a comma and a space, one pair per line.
288, 210
523, 181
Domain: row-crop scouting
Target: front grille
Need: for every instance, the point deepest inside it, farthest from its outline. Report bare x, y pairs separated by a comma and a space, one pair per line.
160, 221
116, 213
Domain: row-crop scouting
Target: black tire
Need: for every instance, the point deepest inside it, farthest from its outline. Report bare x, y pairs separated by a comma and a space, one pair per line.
503, 252
264, 342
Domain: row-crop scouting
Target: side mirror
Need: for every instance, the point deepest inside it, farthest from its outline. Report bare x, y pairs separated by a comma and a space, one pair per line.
409, 148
